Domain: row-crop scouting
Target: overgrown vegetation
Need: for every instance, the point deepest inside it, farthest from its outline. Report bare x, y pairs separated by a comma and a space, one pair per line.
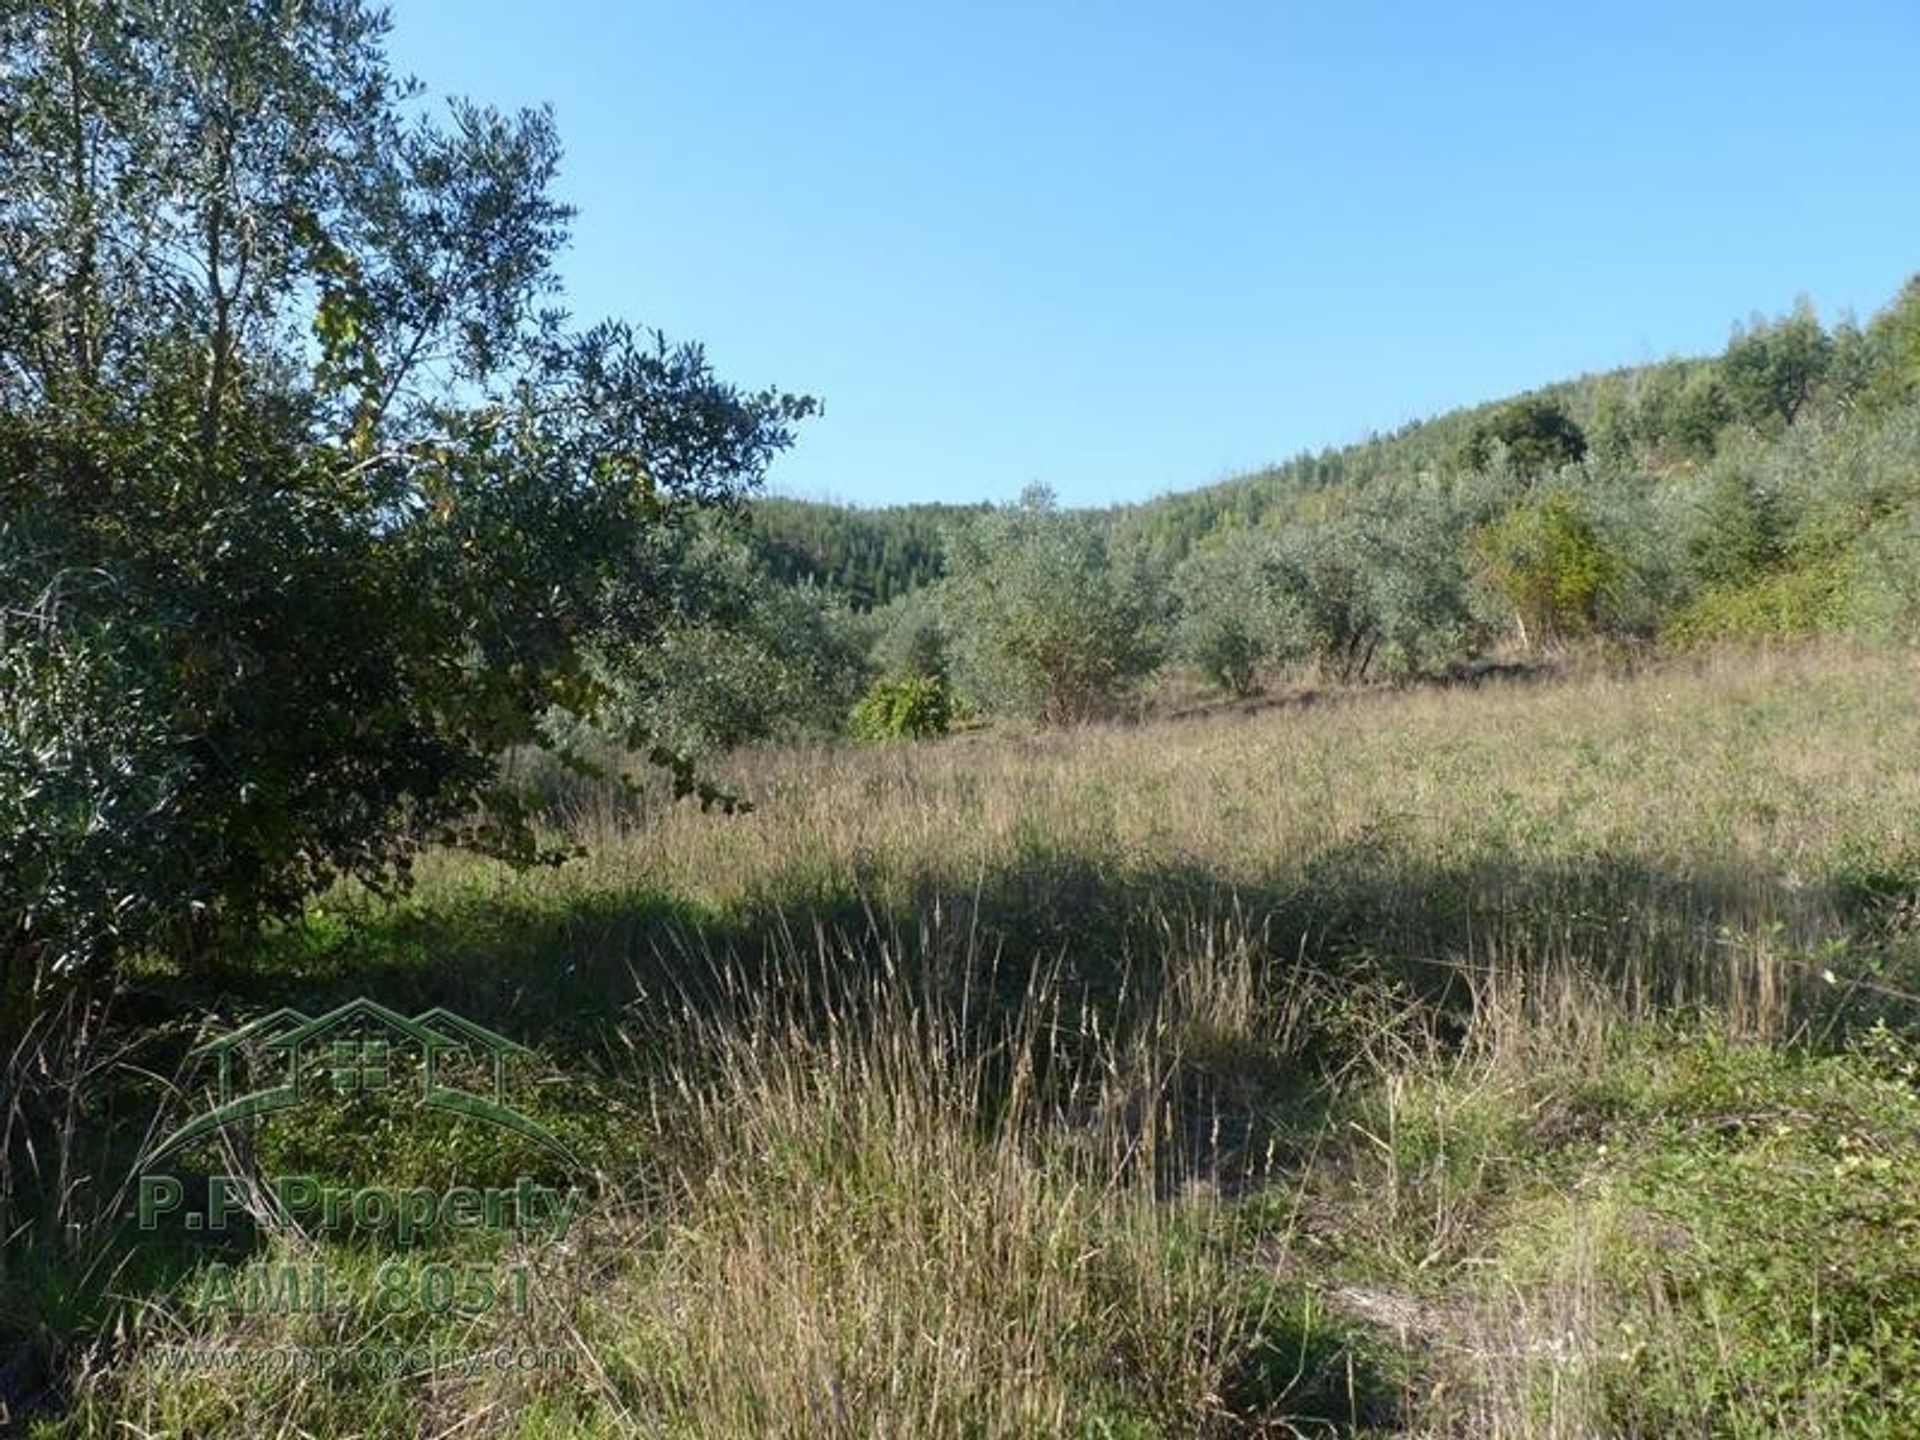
1766, 493
1534, 1058
308, 498
1521, 1049
910, 707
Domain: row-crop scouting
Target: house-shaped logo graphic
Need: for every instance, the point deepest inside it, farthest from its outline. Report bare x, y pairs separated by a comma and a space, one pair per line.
355, 1046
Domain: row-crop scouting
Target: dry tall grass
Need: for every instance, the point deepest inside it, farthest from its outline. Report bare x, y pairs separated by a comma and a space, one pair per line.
1341, 1067
1691, 829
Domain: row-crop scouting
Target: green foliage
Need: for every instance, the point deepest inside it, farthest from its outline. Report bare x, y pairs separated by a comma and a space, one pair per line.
1695, 476
1612, 434
1769, 1218
907, 707
1381, 589
1743, 527
1325, 603
1225, 604
90, 791
1675, 411
1784, 605
1804, 534
1772, 370
297, 460
1888, 574
702, 650
1537, 432
1645, 529
1701, 410
1051, 624
1850, 369
872, 557
1547, 561
307, 501
910, 635
1893, 343
1420, 595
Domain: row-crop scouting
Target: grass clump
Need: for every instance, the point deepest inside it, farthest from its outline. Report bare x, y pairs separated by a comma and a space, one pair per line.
878, 1209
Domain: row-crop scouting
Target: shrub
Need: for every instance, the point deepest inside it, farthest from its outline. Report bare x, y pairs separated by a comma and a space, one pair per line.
1538, 434
1547, 560
907, 707
1051, 622
1787, 605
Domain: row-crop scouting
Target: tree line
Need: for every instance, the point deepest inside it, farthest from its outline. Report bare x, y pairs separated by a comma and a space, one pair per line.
1767, 492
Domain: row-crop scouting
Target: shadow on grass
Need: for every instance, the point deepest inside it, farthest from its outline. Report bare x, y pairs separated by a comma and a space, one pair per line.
569, 974
605, 986
599, 984
1468, 674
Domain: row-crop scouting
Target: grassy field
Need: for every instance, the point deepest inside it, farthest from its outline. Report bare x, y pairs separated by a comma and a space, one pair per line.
1532, 1058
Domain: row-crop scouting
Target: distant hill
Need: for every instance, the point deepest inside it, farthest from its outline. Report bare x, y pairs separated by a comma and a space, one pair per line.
868, 556
872, 555
1771, 490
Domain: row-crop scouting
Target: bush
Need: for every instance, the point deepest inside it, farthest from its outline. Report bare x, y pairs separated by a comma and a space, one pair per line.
1051, 623
908, 707
1547, 560
1787, 605
1538, 434
705, 650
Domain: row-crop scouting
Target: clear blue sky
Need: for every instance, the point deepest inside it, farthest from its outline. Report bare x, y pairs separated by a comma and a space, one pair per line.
1122, 249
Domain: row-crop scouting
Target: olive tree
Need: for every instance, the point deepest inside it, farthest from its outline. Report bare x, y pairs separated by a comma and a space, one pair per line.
308, 494
1051, 622
1225, 608
702, 649
1370, 594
